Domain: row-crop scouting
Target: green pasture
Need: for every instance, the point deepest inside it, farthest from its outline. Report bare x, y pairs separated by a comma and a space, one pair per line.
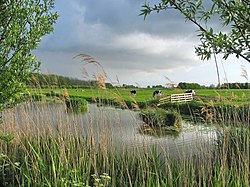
144, 95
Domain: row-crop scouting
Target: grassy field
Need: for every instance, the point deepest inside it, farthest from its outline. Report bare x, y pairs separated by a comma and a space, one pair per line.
144, 95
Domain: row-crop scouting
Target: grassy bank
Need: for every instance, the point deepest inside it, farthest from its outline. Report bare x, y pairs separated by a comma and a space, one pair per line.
215, 105
145, 95
39, 155
144, 98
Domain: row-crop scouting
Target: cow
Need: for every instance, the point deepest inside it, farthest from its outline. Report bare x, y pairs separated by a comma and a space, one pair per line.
190, 91
157, 92
133, 92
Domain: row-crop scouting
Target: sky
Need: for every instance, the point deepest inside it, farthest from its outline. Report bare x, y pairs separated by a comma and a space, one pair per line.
130, 50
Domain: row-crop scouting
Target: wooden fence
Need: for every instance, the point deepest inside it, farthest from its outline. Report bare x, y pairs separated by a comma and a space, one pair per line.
184, 97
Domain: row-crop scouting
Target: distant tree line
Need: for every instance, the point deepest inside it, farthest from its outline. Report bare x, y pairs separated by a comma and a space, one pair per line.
236, 85
51, 80
129, 86
185, 85
158, 86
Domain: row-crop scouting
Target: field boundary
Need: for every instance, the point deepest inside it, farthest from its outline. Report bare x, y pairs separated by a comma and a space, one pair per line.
173, 98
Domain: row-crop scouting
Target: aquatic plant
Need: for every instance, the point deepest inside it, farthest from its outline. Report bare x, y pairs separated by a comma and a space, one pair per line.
75, 104
157, 117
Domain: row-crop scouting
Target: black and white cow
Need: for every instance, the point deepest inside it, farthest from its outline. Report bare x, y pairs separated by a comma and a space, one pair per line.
133, 92
157, 92
190, 91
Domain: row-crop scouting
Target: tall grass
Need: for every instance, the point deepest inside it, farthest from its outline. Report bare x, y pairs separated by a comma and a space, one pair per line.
35, 153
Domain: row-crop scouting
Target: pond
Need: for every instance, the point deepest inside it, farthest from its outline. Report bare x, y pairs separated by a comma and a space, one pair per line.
111, 127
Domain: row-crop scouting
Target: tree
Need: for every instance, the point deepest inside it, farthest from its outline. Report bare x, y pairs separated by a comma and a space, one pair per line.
185, 85
211, 86
23, 23
233, 15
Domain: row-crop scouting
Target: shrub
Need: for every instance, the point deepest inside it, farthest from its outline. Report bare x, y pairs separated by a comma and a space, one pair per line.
76, 104
157, 117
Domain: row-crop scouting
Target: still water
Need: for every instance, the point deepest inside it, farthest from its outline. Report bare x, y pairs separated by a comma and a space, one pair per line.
113, 127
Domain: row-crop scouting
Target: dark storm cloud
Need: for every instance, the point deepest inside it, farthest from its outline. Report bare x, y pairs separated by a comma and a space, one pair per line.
84, 23
114, 32
127, 45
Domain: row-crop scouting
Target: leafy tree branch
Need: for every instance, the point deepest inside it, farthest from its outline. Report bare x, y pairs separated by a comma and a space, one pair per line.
233, 15
23, 23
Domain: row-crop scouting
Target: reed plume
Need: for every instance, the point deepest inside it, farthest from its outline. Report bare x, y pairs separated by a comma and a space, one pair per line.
100, 80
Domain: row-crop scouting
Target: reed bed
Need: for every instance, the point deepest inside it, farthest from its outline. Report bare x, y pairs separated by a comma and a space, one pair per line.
35, 153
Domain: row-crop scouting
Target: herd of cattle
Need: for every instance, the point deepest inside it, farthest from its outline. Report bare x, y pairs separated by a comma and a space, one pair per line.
159, 93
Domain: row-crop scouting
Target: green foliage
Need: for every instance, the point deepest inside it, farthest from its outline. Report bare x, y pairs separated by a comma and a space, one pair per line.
76, 104
184, 108
56, 81
129, 86
185, 85
157, 117
144, 95
23, 23
235, 85
233, 15
6, 137
102, 181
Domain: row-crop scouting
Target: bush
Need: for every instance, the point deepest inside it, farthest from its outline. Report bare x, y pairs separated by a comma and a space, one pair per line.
76, 104
157, 117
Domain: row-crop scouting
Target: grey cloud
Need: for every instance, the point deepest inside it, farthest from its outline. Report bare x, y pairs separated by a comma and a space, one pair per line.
132, 60
123, 16
79, 22
113, 32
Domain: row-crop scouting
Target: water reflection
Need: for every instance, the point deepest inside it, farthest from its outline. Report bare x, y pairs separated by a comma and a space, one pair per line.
158, 132
116, 127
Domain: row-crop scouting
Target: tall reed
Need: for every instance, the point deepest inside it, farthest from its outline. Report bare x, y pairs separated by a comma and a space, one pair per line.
33, 152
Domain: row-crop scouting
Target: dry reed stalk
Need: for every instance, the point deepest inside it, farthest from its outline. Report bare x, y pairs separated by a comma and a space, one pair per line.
244, 72
135, 105
66, 94
14, 124
118, 99
36, 81
100, 78
85, 73
88, 59
122, 103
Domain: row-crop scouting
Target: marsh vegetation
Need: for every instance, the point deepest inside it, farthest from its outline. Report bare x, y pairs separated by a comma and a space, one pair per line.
43, 145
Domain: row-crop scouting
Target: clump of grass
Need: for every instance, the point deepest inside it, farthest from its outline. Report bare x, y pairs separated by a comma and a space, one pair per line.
76, 104
157, 117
